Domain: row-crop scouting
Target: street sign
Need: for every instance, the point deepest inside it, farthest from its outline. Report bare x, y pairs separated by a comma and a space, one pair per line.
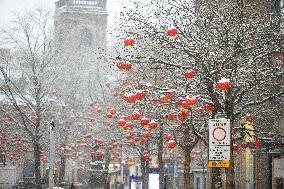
136, 182
219, 164
219, 152
219, 132
131, 162
219, 143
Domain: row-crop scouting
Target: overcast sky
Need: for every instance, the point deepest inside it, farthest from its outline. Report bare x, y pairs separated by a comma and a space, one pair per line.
7, 7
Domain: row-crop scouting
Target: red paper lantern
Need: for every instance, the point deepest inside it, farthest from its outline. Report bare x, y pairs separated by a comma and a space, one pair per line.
139, 95
130, 98
166, 98
190, 74
256, 144
121, 122
145, 135
135, 115
123, 66
172, 32
129, 125
168, 137
188, 102
142, 142
224, 84
244, 145
250, 118
182, 116
146, 156
109, 115
153, 124
209, 108
235, 148
144, 121
129, 42
171, 144
112, 111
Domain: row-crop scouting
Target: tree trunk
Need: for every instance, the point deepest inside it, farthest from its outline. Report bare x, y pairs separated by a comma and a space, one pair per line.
62, 169
230, 178
107, 162
37, 153
186, 169
216, 178
143, 170
160, 159
229, 109
145, 183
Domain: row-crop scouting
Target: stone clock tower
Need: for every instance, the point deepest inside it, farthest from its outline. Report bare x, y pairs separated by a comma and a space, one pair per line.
80, 35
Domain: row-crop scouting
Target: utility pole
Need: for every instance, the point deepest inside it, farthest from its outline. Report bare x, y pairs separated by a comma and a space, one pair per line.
51, 155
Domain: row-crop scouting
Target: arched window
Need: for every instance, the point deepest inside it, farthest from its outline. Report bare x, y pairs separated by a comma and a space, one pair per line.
87, 38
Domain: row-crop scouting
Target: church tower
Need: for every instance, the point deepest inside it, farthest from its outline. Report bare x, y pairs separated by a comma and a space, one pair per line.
81, 23
80, 35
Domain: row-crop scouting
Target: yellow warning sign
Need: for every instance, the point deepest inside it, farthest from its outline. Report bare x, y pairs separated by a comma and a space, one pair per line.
219, 164
131, 162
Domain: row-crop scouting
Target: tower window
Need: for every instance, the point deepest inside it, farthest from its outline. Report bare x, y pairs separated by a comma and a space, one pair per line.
87, 38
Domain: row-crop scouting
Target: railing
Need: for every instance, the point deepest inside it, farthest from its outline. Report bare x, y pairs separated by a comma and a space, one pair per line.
99, 3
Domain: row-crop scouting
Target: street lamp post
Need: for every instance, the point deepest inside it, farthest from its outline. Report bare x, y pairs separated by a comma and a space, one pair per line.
51, 155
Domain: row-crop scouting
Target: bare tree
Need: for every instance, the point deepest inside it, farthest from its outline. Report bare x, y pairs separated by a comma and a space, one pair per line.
27, 78
233, 41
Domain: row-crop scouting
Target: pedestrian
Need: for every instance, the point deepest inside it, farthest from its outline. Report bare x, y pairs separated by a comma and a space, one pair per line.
72, 186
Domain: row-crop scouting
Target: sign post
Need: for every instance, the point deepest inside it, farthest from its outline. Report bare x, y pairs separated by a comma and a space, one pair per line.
219, 143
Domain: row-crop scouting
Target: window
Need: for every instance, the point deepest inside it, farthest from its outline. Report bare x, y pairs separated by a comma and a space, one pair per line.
87, 38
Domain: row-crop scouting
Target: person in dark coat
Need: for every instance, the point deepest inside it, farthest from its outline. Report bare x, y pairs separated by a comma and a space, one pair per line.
72, 186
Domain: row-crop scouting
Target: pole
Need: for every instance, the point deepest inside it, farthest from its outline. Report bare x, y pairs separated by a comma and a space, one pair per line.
51, 155
121, 169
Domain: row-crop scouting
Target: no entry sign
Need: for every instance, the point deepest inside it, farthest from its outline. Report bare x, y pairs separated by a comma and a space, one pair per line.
219, 132
219, 142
